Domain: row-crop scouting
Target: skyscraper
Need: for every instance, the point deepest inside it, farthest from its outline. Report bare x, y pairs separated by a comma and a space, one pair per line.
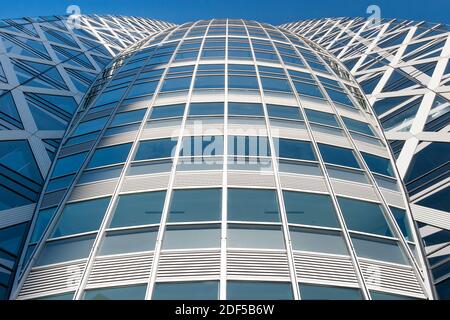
223, 159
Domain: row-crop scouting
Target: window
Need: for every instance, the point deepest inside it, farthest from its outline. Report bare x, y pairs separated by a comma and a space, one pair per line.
11, 238
195, 205
242, 82
308, 89
196, 290
253, 205
378, 164
364, 216
61, 296
277, 111
210, 82
202, 146
154, 149
310, 209
192, 237
255, 290
90, 126
294, 149
256, 237
81, 217
248, 146
313, 240
206, 109
138, 209
358, 126
338, 155
128, 241
69, 164
378, 249
402, 221
321, 117
245, 109
100, 174
160, 112
109, 155
377, 295
175, 84
319, 292
142, 89
274, 84
42, 220
65, 250
134, 292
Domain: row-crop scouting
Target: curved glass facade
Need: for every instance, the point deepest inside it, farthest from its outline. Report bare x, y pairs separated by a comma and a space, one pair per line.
223, 159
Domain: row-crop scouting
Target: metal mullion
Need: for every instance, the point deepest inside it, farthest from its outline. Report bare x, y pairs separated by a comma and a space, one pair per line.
164, 216
345, 232
284, 222
113, 202
21, 280
224, 224
388, 213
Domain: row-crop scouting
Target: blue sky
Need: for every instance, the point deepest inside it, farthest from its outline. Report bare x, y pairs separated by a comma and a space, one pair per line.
271, 11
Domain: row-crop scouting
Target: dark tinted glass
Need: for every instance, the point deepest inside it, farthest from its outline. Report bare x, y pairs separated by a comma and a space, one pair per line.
138, 209
338, 155
252, 205
309, 209
195, 205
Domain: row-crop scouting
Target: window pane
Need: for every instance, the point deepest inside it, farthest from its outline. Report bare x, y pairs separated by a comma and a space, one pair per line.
358, 126
61, 296
318, 241
127, 117
81, 217
248, 146
68, 164
402, 221
195, 205
253, 205
319, 292
364, 216
245, 109
275, 84
294, 149
277, 111
209, 108
128, 241
110, 155
42, 221
311, 209
378, 249
154, 149
337, 155
65, 250
202, 146
175, 110
191, 237
176, 84
377, 295
242, 82
321, 117
135, 292
138, 209
263, 237
378, 164
254, 290
209, 82
308, 89
199, 290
